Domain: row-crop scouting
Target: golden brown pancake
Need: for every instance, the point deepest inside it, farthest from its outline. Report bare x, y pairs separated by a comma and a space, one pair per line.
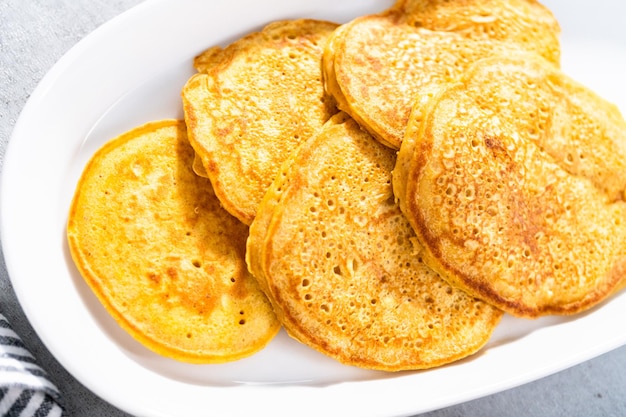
253, 103
377, 66
525, 22
513, 179
166, 261
340, 264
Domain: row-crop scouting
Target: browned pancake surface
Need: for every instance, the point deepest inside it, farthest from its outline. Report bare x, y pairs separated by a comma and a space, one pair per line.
167, 262
252, 103
514, 180
377, 66
524, 22
341, 265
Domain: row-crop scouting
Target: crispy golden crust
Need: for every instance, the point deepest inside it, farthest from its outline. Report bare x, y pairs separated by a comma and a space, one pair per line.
150, 239
377, 66
252, 103
514, 181
340, 263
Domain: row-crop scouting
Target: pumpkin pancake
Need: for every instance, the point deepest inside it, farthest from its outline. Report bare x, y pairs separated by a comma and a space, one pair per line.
377, 66
514, 179
252, 103
341, 266
166, 261
525, 22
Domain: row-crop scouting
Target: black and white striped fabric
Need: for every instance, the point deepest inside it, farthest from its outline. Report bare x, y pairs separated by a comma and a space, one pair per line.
25, 389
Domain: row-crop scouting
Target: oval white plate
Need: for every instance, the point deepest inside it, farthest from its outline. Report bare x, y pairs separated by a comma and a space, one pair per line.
130, 71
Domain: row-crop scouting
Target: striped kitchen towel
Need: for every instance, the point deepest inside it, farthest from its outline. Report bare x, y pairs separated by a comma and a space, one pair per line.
25, 389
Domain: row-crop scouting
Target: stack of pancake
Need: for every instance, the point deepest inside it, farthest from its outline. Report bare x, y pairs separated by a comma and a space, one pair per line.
400, 182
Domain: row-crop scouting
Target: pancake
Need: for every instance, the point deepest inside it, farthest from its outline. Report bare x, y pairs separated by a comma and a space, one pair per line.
167, 262
525, 22
377, 66
514, 179
252, 103
339, 261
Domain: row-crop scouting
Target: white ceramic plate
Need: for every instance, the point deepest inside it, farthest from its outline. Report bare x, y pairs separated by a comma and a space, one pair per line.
130, 71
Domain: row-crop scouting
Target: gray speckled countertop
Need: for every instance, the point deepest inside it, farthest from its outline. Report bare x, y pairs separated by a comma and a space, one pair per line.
34, 34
